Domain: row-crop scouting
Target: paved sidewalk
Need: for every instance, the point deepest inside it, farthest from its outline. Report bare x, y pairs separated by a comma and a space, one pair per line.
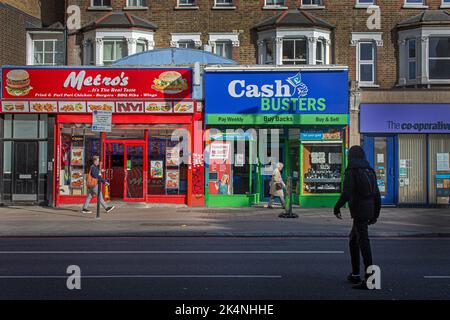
143, 220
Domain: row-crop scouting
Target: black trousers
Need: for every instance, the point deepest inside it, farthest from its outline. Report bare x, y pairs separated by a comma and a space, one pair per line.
359, 242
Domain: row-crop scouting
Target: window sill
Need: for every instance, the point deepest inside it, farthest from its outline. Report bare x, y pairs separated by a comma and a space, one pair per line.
99, 8
135, 8
414, 6
311, 7
365, 6
224, 8
368, 85
275, 8
187, 8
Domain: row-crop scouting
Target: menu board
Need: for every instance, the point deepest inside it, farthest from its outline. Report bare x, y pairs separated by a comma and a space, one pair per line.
103, 106
15, 106
43, 106
76, 178
157, 169
158, 107
77, 156
184, 107
72, 107
172, 179
77, 163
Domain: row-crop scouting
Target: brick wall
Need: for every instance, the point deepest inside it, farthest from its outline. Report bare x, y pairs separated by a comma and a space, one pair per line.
341, 13
13, 37
30, 7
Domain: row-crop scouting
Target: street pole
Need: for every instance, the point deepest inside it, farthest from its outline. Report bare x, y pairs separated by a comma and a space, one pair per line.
288, 213
99, 184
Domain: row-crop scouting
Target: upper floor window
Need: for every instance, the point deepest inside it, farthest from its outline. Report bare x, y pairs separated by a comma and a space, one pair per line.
187, 44
365, 3
223, 3
445, 4
182, 3
412, 59
48, 52
113, 50
223, 48
366, 62
312, 2
295, 51
439, 58
141, 46
275, 3
414, 3
320, 51
136, 3
101, 3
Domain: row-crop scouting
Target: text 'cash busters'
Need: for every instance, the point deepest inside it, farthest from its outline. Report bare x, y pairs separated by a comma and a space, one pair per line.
278, 96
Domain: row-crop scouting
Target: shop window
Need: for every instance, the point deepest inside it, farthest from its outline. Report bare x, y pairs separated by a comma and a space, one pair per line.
25, 126
412, 168
43, 126
7, 156
7, 125
167, 172
43, 157
229, 168
439, 164
322, 167
78, 146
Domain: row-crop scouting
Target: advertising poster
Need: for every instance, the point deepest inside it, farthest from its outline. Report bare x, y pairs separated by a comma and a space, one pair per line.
172, 179
442, 162
156, 169
172, 156
220, 175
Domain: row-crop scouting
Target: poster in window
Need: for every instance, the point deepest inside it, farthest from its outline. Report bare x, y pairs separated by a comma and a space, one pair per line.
239, 160
156, 169
172, 179
172, 156
442, 162
220, 171
77, 156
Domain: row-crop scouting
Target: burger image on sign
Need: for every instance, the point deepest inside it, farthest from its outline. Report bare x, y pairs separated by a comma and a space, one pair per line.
170, 82
18, 83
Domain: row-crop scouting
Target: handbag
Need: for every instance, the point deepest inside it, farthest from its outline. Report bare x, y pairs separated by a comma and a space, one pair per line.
91, 181
278, 186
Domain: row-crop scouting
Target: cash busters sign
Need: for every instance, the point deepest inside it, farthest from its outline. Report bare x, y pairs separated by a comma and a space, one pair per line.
276, 92
29, 83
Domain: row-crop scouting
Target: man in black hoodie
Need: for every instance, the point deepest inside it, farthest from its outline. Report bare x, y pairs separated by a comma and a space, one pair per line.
363, 196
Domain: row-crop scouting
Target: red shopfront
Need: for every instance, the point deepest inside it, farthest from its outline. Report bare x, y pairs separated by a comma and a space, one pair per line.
152, 153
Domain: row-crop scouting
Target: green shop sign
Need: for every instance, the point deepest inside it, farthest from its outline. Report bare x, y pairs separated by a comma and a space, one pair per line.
277, 119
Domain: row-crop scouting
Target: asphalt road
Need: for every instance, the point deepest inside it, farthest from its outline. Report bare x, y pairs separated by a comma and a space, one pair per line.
218, 268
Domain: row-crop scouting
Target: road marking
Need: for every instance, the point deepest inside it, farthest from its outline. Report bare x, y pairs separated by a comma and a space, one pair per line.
437, 277
145, 276
171, 252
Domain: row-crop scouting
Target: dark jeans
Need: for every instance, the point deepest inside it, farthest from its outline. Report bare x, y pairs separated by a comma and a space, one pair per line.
359, 242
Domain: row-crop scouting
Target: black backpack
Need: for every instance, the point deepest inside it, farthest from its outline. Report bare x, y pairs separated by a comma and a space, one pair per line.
366, 182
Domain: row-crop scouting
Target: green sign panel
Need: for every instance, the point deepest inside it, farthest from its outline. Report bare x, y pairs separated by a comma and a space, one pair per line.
277, 119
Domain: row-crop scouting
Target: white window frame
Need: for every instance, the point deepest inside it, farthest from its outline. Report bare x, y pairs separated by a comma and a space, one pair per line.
294, 60
142, 6
275, 6
367, 62
322, 43
144, 42
224, 43
131, 36
101, 6
422, 5
363, 37
364, 5
187, 5
47, 36
312, 6
276, 36
422, 35
224, 5
195, 37
115, 41
437, 58
411, 59
445, 4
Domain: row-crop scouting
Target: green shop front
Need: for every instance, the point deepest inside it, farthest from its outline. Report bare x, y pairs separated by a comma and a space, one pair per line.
257, 117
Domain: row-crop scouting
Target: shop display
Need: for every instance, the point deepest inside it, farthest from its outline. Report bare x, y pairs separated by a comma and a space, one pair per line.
172, 156
322, 169
76, 107
184, 107
14, 106
76, 174
220, 169
158, 107
43, 106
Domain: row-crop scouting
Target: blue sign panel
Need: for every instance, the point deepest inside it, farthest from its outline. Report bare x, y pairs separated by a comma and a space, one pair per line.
277, 92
